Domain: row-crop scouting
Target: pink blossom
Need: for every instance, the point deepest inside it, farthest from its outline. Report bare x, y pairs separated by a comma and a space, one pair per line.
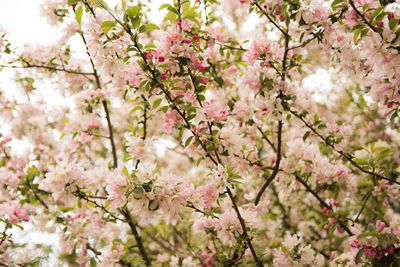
116, 184
14, 212
380, 225
209, 194
215, 110
171, 117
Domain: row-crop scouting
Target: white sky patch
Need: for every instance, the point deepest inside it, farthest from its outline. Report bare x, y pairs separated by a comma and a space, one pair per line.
31, 237
24, 24
162, 145
320, 85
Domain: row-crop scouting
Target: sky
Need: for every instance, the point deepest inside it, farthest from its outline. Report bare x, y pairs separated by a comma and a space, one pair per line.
22, 20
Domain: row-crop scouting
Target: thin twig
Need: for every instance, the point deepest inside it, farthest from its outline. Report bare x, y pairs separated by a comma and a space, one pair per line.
31, 66
320, 200
125, 212
340, 152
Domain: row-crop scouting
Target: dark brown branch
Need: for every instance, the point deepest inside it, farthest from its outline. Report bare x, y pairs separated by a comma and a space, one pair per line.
145, 106
316, 36
321, 201
32, 66
83, 196
190, 205
136, 235
209, 124
372, 27
341, 153
36, 195
363, 17
111, 132
270, 19
244, 227
276, 167
280, 122
363, 206
266, 138
105, 106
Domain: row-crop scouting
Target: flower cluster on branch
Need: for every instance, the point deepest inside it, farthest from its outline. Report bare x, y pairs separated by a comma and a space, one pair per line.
194, 142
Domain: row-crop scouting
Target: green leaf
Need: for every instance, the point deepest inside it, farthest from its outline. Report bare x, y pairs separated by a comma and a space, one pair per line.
164, 6
356, 34
336, 3
125, 171
68, 209
157, 103
78, 14
99, 3
136, 108
163, 109
150, 46
72, 2
152, 27
364, 32
376, 12
360, 161
187, 142
357, 148
316, 118
306, 135
170, 17
173, 10
392, 24
142, 29
138, 192
153, 205
359, 255
136, 22
108, 25
133, 11
384, 153
32, 172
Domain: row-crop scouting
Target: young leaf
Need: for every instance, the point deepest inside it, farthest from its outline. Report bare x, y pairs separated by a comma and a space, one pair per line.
157, 103
72, 2
108, 25
78, 14
133, 11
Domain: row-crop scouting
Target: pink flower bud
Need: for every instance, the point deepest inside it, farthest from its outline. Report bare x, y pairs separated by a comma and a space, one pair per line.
380, 225
325, 211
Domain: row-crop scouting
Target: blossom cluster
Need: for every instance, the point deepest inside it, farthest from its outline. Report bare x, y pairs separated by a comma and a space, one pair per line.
199, 141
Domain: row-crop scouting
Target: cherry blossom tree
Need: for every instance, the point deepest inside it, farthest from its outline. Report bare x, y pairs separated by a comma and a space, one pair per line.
192, 143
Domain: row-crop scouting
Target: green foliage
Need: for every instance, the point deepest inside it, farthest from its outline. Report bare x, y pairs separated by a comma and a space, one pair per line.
78, 14
108, 25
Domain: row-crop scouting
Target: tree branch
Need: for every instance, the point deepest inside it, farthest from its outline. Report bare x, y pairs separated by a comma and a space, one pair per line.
125, 212
321, 201
31, 66
105, 106
341, 153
